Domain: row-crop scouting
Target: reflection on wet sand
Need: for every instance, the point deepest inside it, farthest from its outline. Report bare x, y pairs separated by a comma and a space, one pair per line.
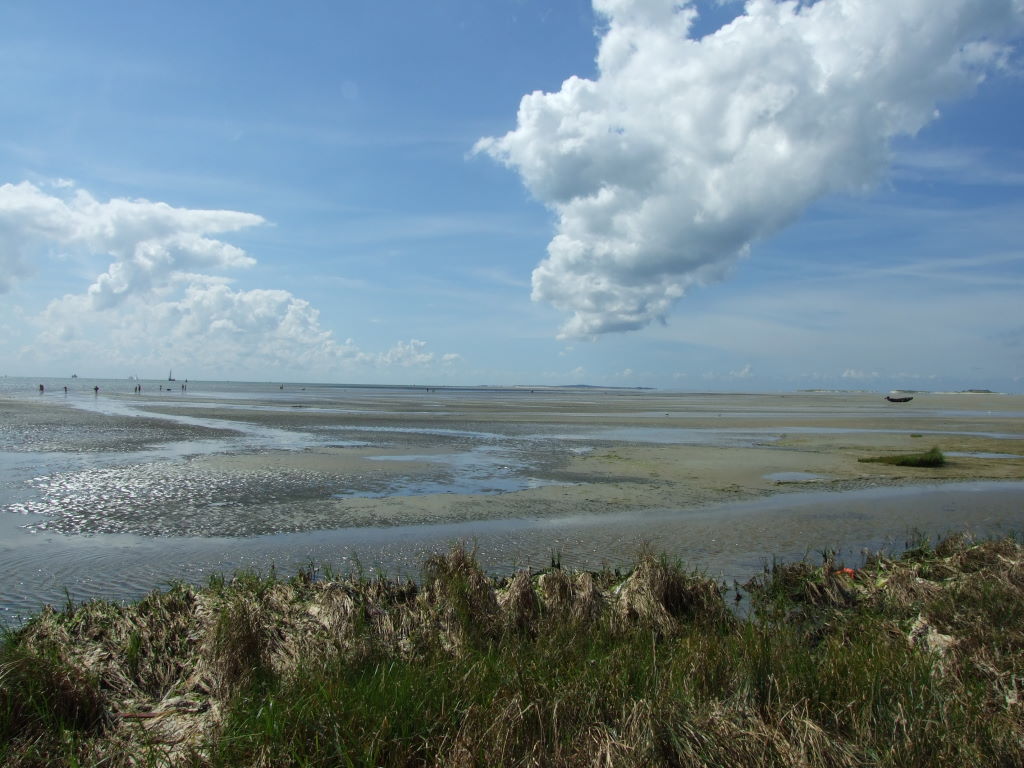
128, 493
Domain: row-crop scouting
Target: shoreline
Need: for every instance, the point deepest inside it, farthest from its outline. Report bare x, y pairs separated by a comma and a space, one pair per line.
213, 490
643, 667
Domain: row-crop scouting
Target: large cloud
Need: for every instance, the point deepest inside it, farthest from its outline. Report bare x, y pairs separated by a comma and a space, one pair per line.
682, 152
162, 297
148, 242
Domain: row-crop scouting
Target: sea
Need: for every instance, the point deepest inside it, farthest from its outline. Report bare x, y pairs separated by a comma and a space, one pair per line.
99, 501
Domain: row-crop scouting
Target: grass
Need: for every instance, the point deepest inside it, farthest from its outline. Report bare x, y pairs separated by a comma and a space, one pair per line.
930, 458
916, 660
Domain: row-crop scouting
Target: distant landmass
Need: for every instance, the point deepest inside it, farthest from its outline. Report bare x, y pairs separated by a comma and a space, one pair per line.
589, 386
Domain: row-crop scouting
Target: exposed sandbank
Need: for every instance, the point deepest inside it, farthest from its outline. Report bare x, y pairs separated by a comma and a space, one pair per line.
618, 470
588, 452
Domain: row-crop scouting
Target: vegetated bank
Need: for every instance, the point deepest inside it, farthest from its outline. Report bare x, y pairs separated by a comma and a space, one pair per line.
916, 660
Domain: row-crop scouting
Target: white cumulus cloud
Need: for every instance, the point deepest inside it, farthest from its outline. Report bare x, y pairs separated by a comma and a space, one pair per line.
743, 373
162, 298
407, 354
856, 373
148, 242
664, 169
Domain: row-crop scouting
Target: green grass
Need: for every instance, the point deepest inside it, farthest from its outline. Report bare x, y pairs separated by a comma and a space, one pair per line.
930, 458
910, 661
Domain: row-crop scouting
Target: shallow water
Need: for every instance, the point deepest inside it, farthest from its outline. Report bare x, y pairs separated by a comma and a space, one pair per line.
728, 541
122, 500
983, 455
795, 477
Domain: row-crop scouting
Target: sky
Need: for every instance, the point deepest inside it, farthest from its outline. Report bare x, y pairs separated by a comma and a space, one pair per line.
696, 196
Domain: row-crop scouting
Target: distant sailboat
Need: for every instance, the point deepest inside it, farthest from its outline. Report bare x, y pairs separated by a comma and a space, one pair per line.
170, 375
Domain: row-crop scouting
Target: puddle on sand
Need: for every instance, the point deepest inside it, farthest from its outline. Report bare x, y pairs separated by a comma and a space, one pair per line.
795, 477
981, 455
481, 470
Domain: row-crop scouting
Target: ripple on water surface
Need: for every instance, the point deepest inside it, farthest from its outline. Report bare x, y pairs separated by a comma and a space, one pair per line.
164, 498
64, 429
170, 500
795, 477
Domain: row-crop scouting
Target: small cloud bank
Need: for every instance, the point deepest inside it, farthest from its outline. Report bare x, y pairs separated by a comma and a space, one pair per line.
743, 373
855, 373
666, 168
162, 298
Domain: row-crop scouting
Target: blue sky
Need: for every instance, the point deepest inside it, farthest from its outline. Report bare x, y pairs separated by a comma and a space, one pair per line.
750, 198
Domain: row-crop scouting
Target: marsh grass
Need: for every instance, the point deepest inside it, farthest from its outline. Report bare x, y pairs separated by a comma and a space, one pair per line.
930, 458
915, 660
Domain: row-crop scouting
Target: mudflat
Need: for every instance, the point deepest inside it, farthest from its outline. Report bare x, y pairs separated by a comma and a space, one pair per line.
619, 451
113, 495
395, 458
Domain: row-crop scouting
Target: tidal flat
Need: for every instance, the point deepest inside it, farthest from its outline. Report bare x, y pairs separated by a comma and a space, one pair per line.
111, 495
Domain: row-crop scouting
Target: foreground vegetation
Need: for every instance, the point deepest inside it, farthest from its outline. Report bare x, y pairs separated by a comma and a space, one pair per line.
912, 661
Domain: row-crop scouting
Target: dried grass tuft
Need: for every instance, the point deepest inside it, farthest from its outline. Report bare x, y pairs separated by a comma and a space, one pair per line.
38, 692
660, 596
802, 591
519, 603
924, 636
903, 592
589, 602
556, 586
238, 646
953, 545
334, 607
457, 604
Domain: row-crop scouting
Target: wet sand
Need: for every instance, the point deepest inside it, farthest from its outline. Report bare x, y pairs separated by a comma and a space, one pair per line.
125, 493
601, 452
429, 457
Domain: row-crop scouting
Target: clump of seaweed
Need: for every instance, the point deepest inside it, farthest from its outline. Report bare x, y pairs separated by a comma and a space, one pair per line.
930, 458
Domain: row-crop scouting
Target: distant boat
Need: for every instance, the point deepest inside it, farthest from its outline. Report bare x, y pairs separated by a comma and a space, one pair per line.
898, 399
170, 375
74, 375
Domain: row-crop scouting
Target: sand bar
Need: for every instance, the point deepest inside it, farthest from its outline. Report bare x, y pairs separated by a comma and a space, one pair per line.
611, 451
